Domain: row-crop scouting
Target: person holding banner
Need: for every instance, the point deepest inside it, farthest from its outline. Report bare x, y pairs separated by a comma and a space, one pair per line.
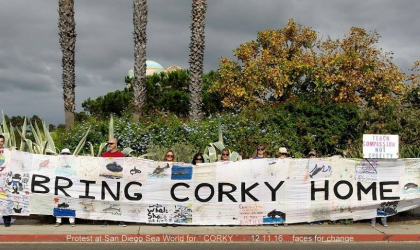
198, 158
283, 154
112, 152
260, 152
58, 221
6, 218
312, 155
225, 155
169, 156
112, 149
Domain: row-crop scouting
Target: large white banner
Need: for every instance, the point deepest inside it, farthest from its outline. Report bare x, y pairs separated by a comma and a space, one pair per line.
248, 192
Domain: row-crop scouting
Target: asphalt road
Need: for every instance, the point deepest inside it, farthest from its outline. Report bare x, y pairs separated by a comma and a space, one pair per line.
210, 246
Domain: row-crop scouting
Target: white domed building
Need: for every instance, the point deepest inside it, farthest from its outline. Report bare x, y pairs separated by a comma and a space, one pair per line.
154, 67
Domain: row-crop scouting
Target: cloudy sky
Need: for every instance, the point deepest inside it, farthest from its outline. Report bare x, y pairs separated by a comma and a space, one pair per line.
30, 55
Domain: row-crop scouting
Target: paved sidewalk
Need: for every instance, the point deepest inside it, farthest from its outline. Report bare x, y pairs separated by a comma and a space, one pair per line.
33, 231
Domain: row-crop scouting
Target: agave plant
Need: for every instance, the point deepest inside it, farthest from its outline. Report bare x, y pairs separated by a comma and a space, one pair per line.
8, 133
43, 144
407, 151
210, 153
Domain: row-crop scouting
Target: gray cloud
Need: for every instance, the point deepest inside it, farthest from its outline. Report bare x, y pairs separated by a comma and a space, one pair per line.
30, 55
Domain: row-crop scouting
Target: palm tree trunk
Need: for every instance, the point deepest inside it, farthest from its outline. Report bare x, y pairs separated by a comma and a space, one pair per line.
140, 39
197, 58
67, 27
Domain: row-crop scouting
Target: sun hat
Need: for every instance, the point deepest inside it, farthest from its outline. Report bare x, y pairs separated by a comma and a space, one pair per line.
65, 151
283, 150
312, 152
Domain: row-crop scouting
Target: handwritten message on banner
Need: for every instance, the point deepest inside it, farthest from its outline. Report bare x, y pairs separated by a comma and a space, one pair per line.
248, 192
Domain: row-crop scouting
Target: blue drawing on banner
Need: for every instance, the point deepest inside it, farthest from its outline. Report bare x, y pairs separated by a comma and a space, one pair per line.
275, 216
159, 172
64, 210
65, 171
64, 167
316, 170
181, 173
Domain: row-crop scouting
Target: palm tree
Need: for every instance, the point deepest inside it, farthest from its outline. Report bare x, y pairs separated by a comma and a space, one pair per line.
196, 60
67, 27
140, 39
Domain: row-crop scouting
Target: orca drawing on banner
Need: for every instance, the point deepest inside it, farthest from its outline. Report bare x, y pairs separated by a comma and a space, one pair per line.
134, 171
159, 172
317, 170
275, 216
411, 185
114, 167
275, 213
112, 170
63, 205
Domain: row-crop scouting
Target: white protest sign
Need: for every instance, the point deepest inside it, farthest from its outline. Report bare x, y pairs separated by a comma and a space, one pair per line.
380, 146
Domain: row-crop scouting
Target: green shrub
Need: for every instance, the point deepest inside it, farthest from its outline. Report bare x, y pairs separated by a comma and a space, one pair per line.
165, 92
